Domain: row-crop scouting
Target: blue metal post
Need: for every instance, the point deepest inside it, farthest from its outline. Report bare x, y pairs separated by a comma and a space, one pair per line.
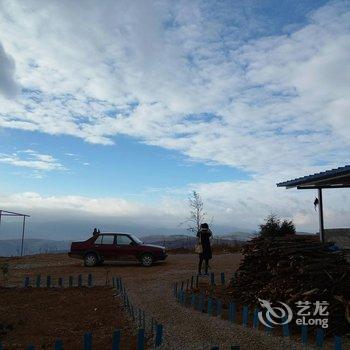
116, 340
141, 339
159, 335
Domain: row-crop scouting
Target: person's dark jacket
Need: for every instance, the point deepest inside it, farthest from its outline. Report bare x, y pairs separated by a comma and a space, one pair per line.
204, 237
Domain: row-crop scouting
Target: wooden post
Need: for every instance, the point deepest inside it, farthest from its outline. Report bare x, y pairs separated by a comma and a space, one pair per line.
338, 343
58, 344
90, 280
141, 339
319, 337
116, 340
23, 229
256, 319
232, 312
159, 335
26, 282
320, 214
87, 341
222, 278
219, 308
212, 279
209, 306
304, 334
80, 280
38, 281
245, 316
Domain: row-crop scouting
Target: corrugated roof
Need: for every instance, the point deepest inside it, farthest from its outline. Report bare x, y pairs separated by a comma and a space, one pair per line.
311, 179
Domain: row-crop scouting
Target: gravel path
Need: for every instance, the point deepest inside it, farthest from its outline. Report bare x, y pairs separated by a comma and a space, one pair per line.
185, 328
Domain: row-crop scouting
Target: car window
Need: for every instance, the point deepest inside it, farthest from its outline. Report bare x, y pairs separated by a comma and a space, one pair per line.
105, 239
108, 239
123, 240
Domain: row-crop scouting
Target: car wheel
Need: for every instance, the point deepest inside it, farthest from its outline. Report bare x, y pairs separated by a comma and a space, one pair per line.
146, 260
90, 260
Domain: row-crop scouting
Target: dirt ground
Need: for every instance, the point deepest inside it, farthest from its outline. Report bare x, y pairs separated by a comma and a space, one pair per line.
39, 316
152, 290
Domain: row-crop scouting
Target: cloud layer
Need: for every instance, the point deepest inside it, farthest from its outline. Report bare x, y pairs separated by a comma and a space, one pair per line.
217, 86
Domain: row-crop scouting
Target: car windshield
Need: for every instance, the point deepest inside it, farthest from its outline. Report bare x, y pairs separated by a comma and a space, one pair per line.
136, 239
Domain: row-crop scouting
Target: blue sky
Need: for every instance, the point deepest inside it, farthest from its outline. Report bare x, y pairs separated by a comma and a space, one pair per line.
118, 110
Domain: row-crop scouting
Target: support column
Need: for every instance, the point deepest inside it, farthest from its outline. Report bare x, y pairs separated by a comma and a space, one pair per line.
320, 215
23, 228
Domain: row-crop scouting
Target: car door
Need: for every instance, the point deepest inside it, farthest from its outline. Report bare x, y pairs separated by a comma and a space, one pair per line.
105, 246
125, 247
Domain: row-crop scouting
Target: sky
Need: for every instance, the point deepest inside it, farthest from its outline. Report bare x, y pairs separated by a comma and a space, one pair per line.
112, 112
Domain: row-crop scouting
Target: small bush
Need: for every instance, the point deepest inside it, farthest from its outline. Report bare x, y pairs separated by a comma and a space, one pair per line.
274, 227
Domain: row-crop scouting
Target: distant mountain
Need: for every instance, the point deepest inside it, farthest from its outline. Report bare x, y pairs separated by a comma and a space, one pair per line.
12, 247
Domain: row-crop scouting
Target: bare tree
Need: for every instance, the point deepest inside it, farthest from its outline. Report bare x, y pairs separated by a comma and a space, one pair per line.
197, 213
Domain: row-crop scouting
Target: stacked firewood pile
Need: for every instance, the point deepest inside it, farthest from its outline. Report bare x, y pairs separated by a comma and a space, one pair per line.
292, 269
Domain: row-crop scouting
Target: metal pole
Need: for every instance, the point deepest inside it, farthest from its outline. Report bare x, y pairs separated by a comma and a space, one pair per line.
320, 215
0, 218
23, 228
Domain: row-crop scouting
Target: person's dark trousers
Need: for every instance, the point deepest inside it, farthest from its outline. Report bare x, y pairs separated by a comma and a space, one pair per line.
206, 264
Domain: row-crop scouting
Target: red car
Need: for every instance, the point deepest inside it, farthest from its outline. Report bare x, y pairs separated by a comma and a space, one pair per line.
116, 247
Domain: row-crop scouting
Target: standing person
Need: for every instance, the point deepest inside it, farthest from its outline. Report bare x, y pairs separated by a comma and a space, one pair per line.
204, 235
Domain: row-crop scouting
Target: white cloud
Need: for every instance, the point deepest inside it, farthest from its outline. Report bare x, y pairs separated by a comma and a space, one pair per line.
215, 88
31, 159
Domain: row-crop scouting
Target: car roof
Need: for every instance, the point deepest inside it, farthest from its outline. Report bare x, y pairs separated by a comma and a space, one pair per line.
114, 233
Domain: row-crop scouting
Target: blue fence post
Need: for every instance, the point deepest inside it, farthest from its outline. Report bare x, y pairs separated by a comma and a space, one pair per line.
232, 312
90, 280
80, 280
26, 282
319, 337
116, 340
212, 279
193, 300
70, 281
245, 316
256, 319
141, 339
87, 341
48, 281
197, 277
304, 334
285, 330
58, 344
222, 278
159, 335
338, 343
60, 282
38, 281
268, 330
209, 306
219, 308
191, 282
182, 285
